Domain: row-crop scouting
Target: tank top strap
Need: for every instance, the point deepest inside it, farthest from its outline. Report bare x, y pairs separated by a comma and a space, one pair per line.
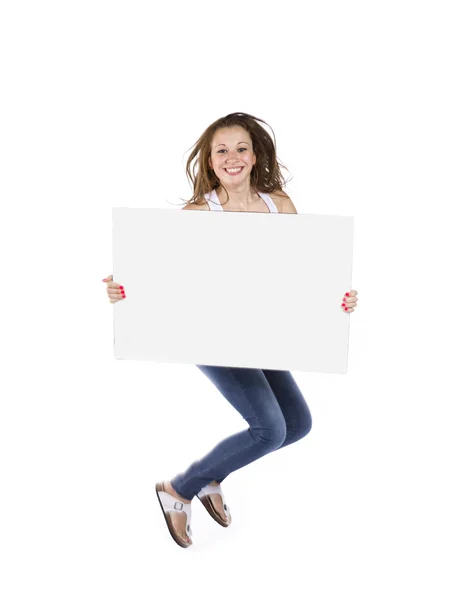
213, 201
269, 202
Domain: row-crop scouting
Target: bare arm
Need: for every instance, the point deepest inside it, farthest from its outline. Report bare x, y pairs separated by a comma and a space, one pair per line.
286, 204
193, 206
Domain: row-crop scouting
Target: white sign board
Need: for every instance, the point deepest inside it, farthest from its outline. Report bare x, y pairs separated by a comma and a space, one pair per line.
258, 290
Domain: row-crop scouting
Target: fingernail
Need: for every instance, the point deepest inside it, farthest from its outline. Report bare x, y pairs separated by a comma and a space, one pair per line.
343, 304
346, 294
121, 287
346, 308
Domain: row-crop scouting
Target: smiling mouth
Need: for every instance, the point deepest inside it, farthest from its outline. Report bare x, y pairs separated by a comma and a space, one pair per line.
234, 170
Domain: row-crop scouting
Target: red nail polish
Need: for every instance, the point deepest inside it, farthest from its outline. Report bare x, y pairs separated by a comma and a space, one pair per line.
346, 294
346, 309
121, 287
343, 304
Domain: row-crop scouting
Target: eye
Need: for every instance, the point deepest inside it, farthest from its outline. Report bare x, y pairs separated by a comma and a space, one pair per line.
223, 150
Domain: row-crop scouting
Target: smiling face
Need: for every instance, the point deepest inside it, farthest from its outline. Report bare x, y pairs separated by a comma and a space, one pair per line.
232, 156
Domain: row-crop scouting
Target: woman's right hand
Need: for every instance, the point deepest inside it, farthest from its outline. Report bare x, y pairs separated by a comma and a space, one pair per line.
114, 290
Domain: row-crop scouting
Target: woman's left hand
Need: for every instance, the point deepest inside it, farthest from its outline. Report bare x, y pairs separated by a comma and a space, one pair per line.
349, 301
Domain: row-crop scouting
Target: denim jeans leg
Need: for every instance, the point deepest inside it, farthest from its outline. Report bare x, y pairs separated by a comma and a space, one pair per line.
248, 391
296, 413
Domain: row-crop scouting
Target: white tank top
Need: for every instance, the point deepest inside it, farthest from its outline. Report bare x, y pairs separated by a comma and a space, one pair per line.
214, 202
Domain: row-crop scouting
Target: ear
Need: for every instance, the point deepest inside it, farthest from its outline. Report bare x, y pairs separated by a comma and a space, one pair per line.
209, 162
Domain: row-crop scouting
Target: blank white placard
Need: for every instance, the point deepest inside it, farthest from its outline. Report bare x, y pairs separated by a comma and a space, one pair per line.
258, 290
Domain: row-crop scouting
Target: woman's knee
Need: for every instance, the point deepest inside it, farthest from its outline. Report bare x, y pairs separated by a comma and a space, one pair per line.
273, 434
301, 429
306, 426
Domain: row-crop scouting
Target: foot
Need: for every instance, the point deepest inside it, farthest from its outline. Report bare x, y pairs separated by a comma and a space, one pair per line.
217, 502
178, 519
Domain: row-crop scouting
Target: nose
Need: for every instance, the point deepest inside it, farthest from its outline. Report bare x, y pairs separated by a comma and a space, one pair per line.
232, 157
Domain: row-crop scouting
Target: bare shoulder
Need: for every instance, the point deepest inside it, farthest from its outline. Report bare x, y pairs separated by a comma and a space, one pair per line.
283, 202
201, 205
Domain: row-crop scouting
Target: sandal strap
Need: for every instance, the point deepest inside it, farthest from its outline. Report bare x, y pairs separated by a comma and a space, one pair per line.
214, 489
210, 489
172, 504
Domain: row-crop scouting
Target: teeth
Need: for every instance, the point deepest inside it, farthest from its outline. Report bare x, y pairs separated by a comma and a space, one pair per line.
234, 170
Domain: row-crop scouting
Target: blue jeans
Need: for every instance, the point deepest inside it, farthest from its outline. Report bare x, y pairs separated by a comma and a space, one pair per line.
275, 410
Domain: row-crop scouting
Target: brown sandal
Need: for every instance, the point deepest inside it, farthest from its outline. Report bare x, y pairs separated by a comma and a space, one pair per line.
169, 504
204, 496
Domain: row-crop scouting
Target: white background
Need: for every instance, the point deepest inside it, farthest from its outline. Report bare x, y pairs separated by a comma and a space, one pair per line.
100, 103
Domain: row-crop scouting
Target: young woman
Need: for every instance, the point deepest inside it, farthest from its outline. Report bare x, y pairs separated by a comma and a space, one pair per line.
237, 170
